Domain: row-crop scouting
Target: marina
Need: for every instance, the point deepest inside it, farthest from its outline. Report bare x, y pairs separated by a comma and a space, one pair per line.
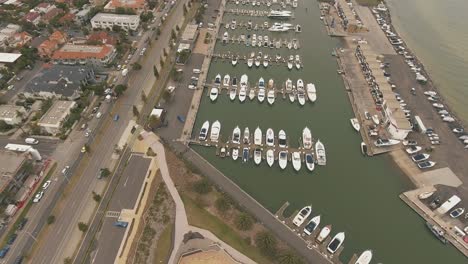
366, 122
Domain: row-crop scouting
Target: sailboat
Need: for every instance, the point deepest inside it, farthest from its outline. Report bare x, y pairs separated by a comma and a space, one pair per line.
306, 138
296, 160
270, 157
303, 214
258, 136
204, 131
311, 92
309, 161
320, 152
270, 137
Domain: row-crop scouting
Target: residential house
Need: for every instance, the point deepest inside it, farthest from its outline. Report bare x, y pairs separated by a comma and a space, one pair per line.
20, 39
47, 48
12, 114
137, 6
33, 17
51, 14
102, 37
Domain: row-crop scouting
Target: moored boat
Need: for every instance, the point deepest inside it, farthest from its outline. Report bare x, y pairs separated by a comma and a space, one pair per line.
282, 141
270, 157
296, 160
311, 92
320, 153
215, 130
236, 135
258, 136
301, 97
271, 97
270, 137
226, 80
257, 156
306, 138
355, 124
246, 139
204, 131
261, 95
245, 154
363, 148
242, 94
283, 159
309, 161
303, 214
235, 153
312, 225
425, 195
214, 93
324, 233
386, 142
365, 257
336, 242
232, 93
251, 93
438, 232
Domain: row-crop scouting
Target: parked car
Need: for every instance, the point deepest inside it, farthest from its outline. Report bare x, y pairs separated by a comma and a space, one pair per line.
46, 184
4, 251
12, 239
38, 197
22, 223
121, 224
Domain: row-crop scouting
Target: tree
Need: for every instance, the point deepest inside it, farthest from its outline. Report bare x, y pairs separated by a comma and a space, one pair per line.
202, 186
50, 219
136, 113
143, 97
119, 89
68, 260
136, 66
288, 257
166, 95
266, 242
105, 172
158, 31
244, 222
185, 10
153, 122
82, 227
161, 62
177, 28
222, 204
173, 34
155, 71
96, 197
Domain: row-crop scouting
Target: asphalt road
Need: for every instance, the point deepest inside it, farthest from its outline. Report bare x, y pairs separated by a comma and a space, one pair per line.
46, 146
26, 76
124, 197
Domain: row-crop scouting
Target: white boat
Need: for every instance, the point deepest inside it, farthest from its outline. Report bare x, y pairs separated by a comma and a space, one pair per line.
271, 96
234, 61
312, 225
296, 160
232, 93
309, 161
292, 97
306, 138
324, 233
386, 142
258, 136
270, 157
261, 95
261, 83
225, 37
425, 195
282, 141
457, 212
355, 124
298, 28
257, 156
290, 65
250, 62
245, 154
257, 61
215, 130
300, 84
270, 137
289, 85
280, 14
320, 153
426, 164
251, 93
204, 131
246, 139
214, 93
236, 135
336, 242
301, 98
235, 153
297, 62
271, 83
413, 149
283, 159
303, 214
226, 80
265, 62
242, 94
217, 80
375, 119
311, 92
363, 148
365, 257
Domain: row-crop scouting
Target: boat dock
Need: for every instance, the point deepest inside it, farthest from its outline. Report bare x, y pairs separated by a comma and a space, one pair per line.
358, 92
432, 217
249, 12
309, 240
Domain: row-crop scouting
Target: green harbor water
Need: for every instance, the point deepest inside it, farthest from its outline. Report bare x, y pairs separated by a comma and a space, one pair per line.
355, 194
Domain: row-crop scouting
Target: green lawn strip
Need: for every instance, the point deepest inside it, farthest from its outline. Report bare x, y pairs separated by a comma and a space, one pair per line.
197, 216
164, 246
369, 2
25, 210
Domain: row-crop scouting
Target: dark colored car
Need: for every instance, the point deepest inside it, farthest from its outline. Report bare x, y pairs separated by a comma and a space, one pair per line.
12, 239
22, 223
4, 251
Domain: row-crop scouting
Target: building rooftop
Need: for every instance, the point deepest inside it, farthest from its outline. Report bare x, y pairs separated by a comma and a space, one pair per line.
116, 18
9, 57
82, 52
57, 113
190, 32
59, 79
10, 164
9, 111
125, 3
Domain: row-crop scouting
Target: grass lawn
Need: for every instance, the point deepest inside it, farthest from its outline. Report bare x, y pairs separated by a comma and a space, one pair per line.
199, 217
369, 2
163, 249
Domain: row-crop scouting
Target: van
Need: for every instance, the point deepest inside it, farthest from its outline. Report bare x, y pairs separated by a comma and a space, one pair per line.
31, 141
98, 115
196, 71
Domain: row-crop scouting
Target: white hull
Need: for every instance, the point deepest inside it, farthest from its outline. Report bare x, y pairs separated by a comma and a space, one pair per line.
311, 92
257, 156
282, 139
235, 153
270, 137
236, 135
251, 94
226, 80
306, 138
310, 164
296, 160
215, 130
312, 225
365, 257
355, 124
425, 195
258, 136
303, 214
261, 95
246, 138
386, 143
214, 94
204, 131
283, 159
292, 97
320, 153
271, 97
242, 94
375, 119
232, 94
336, 242
324, 233
270, 157
301, 98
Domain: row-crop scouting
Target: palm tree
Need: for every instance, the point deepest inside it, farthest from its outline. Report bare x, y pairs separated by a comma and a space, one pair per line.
244, 222
266, 242
289, 257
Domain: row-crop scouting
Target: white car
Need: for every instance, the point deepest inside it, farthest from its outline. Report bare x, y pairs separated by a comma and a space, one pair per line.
46, 184
38, 197
65, 170
192, 87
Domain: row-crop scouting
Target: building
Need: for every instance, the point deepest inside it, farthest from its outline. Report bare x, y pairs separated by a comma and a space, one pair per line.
7, 33
107, 21
51, 122
71, 54
52, 13
12, 114
47, 48
44, 8
60, 81
10, 167
33, 17
19, 40
102, 37
83, 15
137, 6
190, 34
9, 57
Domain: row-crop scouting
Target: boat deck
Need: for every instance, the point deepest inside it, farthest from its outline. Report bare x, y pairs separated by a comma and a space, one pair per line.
309, 240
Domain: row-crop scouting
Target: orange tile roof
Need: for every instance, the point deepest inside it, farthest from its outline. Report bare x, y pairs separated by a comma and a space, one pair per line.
58, 36
77, 52
128, 3
103, 37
